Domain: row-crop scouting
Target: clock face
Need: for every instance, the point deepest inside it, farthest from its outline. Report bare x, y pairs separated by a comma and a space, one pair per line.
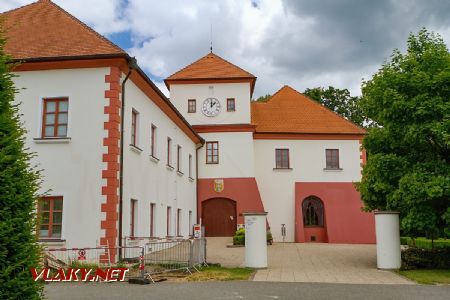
211, 107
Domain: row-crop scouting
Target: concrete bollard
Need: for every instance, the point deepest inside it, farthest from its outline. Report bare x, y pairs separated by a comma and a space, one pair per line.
387, 228
255, 240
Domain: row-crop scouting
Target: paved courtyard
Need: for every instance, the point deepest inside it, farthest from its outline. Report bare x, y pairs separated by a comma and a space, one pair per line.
310, 262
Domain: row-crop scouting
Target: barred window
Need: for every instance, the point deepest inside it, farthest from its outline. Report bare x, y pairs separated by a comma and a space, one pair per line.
282, 158
332, 158
312, 208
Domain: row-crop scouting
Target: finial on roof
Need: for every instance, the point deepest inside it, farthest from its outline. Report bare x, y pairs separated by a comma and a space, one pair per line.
210, 48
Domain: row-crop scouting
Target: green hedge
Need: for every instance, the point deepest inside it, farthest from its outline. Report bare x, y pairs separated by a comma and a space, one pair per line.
239, 237
415, 258
424, 243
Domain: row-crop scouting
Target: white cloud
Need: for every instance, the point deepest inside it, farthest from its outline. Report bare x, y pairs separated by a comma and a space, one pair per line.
300, 43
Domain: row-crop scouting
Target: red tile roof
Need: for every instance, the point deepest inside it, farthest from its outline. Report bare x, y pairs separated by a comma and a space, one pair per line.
43, 29
289, 111
210, 66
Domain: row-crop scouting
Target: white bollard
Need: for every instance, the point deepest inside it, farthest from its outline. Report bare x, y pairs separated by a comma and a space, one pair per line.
255, 240
387, 228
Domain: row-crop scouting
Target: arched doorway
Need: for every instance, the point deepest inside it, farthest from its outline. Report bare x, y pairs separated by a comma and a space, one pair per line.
314, 220
219, 217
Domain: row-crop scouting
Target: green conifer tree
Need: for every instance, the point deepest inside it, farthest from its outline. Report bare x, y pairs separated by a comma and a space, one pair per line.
19, 183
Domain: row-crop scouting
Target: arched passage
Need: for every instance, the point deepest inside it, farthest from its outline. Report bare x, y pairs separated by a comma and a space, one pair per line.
219, 217
313, 214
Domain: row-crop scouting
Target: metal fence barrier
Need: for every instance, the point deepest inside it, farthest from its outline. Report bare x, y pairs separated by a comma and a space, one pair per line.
150, 256
168, 255
98, 256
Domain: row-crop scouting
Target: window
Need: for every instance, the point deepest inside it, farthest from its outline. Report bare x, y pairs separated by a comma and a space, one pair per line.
169, 154
179, 158
50, 217
312, 208
153, 141
134, 124
168, 219
190, 166
55, 118
152, 219
133, 215
231, 105
179, 222
332, 158
192, 106
281, 158
212, 152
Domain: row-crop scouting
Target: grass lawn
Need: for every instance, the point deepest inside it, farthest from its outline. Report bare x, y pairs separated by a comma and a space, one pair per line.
427, 276
221, 274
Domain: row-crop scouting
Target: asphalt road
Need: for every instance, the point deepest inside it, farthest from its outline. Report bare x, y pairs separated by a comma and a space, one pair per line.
244, 290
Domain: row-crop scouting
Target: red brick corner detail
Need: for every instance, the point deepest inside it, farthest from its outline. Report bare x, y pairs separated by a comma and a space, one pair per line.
111, 157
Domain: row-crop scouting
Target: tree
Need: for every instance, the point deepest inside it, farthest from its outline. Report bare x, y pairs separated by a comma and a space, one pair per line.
264, 98
19, 184
408, 166
339, 101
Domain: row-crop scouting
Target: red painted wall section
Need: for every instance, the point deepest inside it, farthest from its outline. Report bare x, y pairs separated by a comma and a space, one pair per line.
320, 233
242, 190
111, 160
344, 220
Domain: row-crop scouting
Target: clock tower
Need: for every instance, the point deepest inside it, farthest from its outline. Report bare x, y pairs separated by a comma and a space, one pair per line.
214, 96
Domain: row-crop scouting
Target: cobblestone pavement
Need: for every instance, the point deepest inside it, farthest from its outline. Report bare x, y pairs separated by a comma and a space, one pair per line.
310, 262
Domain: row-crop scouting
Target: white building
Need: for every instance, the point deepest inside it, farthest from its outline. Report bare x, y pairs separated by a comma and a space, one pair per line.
289, 156
70, 85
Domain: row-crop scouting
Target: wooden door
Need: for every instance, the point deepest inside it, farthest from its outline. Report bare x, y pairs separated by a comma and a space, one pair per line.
219, 217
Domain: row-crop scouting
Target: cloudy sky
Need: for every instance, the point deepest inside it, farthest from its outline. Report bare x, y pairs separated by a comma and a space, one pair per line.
302, 43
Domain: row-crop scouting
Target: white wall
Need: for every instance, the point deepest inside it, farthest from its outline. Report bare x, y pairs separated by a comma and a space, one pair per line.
180, 93
74, 169
236, 156
150, 181
307, 160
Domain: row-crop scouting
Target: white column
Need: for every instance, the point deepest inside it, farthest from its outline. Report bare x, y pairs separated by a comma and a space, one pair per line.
387, 228
255, 240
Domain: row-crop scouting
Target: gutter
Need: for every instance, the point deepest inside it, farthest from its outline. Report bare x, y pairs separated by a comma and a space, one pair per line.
131, 65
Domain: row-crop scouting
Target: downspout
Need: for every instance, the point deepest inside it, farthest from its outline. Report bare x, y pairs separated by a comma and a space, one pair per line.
131, 65
196, 181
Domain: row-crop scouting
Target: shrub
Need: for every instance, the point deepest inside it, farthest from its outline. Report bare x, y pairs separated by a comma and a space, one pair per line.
424, 243
239, 240
415, 258
239, 237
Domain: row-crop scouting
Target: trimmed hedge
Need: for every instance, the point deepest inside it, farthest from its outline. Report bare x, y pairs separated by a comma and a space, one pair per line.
424, 243
415, 258
239, 237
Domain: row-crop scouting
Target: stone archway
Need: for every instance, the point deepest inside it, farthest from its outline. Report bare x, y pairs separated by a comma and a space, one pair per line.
219, 217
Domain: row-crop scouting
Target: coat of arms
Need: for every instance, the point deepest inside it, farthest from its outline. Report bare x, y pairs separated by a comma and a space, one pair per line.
219, 185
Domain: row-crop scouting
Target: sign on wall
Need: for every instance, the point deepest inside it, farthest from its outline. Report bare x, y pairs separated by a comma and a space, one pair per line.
219, 185
197, 231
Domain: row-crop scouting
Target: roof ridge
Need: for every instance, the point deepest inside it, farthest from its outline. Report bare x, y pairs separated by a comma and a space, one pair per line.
325, 108
91, 30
